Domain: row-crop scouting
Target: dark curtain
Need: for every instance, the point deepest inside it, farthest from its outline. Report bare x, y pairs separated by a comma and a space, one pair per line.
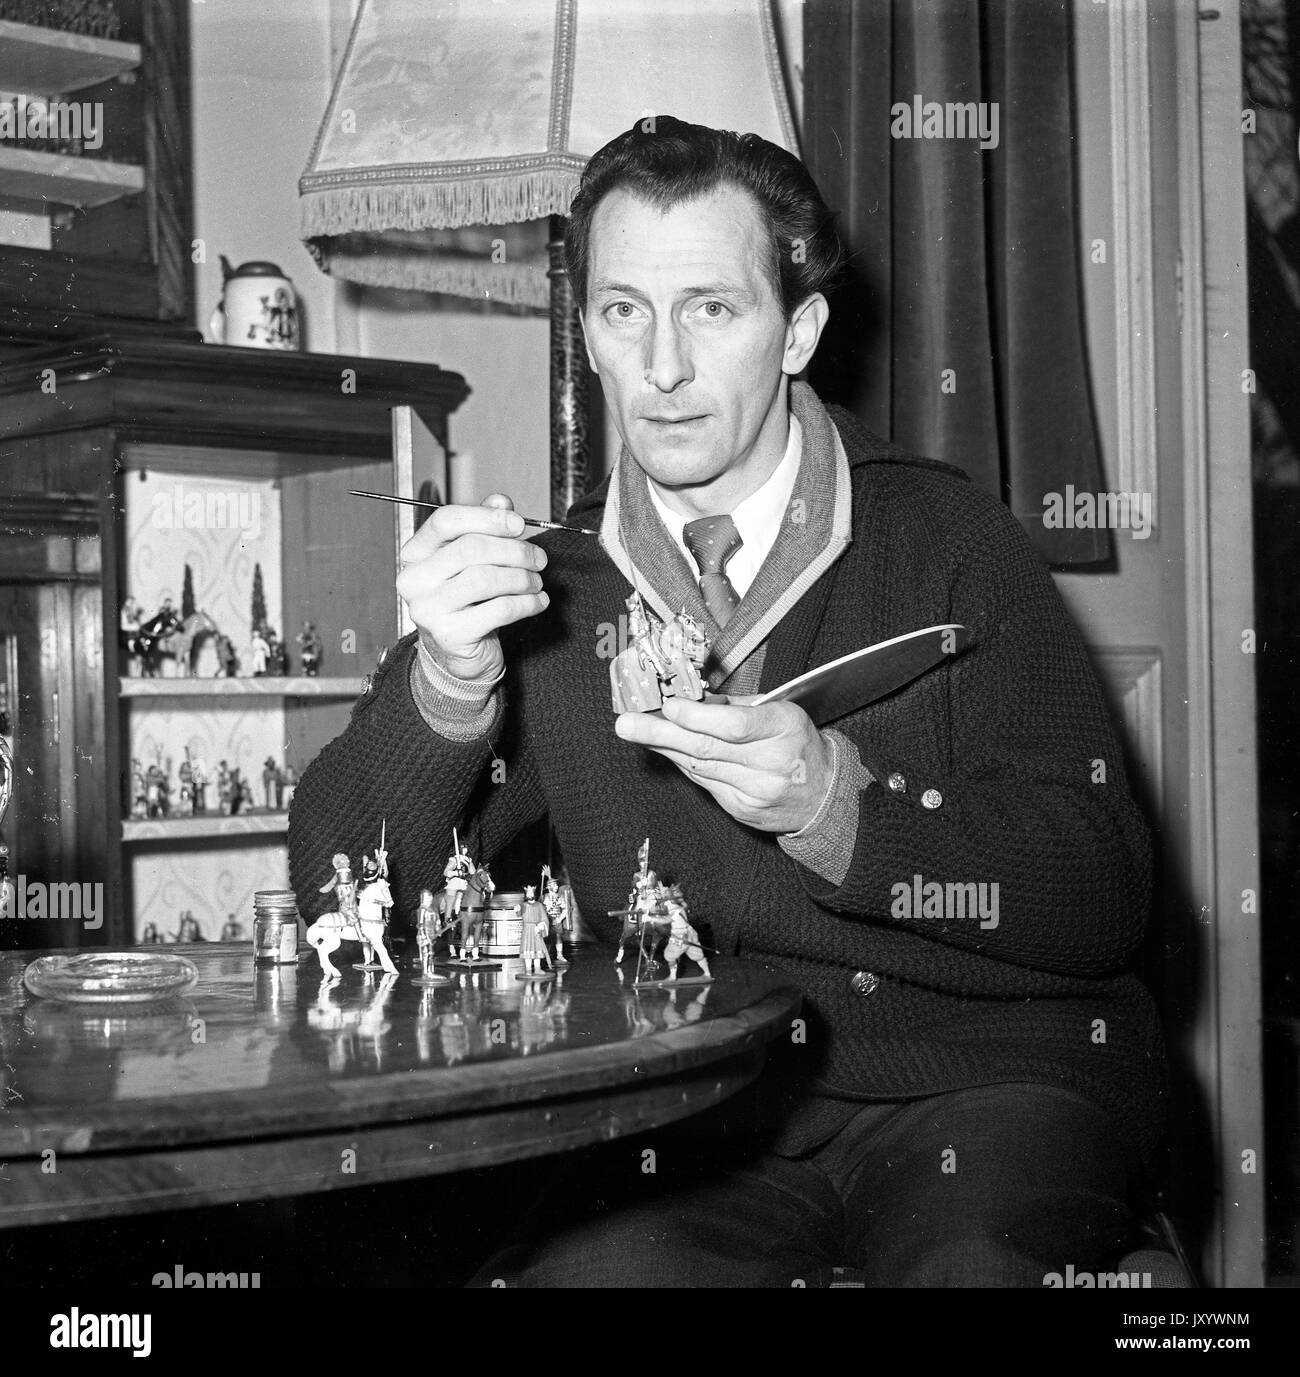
962, 259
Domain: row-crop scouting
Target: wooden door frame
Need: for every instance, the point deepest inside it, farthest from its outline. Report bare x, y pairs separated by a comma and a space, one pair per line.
1226, 1039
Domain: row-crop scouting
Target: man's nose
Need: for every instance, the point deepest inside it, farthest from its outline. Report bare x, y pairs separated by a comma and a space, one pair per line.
669, 364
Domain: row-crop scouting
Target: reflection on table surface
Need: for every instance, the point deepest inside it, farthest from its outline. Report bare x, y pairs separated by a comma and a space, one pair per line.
251, 1047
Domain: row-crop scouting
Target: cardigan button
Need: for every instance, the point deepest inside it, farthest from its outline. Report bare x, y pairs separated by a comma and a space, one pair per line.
367, 684
932, 798
864, 983
897, 783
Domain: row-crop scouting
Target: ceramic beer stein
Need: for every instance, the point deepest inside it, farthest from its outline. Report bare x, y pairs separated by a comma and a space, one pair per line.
258, 308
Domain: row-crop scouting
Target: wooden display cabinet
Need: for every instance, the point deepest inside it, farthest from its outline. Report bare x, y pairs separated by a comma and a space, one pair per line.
81, 424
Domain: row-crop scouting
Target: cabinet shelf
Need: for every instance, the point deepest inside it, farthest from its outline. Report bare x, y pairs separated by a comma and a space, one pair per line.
61, 179
207, 825
47, 62
298, 686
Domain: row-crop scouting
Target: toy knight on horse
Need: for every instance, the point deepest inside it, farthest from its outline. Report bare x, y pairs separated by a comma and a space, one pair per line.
662, 660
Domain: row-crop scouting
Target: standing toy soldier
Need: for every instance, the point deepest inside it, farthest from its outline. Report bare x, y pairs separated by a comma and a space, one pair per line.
272, 780
427, 930
532, 938
224, 791
149, 935
189, 930
156, 791
200, 787
310, 645
261, 652
682, 937
186, 773
556, 903
344, 885
233, 930
277, 655
289, 785
139, 792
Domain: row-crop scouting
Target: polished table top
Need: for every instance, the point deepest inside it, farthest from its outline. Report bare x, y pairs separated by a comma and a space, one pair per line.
261, 1080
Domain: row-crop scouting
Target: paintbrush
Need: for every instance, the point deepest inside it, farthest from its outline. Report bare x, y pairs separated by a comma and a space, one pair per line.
433, 507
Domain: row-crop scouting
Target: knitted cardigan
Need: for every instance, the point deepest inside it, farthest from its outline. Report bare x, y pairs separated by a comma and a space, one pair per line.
1007, 737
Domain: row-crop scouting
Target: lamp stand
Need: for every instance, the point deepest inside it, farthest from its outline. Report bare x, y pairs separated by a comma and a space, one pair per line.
570, 413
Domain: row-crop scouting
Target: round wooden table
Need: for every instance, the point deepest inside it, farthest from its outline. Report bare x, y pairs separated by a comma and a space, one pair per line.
268, 1082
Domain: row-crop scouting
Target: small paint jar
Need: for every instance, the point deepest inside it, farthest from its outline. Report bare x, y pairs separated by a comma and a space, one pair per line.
275, 927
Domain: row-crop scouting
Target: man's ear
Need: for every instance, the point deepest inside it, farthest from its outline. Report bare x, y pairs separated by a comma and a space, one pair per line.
803, 332
586, 343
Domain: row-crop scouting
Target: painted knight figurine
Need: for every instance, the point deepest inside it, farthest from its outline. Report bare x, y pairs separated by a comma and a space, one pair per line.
662, 660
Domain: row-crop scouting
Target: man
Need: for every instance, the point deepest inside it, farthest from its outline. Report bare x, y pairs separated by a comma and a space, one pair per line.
967, 1096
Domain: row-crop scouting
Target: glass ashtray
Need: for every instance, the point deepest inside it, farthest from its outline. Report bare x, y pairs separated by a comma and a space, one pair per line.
111, 977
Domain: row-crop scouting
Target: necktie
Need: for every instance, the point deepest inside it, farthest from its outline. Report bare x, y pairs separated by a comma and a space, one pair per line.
712, 540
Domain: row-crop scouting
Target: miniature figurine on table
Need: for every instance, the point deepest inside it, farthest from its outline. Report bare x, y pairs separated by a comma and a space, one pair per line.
311, 649
534, 930
662, 660
374, 903
359, 918
556, 902
260, 652
149, 935
233, 931
682, 940
428, 928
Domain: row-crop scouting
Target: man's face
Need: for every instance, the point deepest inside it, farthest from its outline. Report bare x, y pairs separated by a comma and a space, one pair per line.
690, 341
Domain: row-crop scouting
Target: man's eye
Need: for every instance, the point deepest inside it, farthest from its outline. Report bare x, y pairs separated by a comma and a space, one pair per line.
622, 310
715, 310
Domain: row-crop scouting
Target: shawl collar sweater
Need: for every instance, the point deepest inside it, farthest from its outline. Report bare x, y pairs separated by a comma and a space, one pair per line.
989, 762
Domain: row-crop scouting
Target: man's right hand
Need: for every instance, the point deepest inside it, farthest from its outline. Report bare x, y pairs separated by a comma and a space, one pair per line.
465, 574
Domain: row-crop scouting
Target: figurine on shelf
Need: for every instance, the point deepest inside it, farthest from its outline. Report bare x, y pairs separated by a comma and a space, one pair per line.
189, 930
534, 931
139, 791
227, 659
348, 923
153, 638
149, 935
129, 620
245, 803
289, 785
186, 797
225, 790
310, 647
233, 930
272, 784
662, 660
157, 793
260, 651
199, 786
277, 660
556, 902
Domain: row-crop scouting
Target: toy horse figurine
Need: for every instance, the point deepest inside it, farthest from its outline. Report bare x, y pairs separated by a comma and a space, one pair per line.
360, 915
662, 660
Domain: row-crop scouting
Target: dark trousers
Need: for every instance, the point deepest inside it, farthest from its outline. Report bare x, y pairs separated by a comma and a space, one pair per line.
994, 1186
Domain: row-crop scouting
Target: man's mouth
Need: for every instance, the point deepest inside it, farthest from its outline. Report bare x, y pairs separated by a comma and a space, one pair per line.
672, 420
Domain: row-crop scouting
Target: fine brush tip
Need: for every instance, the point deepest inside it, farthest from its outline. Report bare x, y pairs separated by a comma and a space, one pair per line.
433, 507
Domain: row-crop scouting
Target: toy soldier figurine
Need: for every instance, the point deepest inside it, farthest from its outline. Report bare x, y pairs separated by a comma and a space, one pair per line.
227, 657
189, 930
233, 930
532, 938
310, 645
245, 794
682, 937
457, 873
289, 784
139, 792
129, 627
427, 931
272, 780
156, 791
277, 657
556, 903
261, 652
224, 793
346, 887
149, 935
186, 773
200, 787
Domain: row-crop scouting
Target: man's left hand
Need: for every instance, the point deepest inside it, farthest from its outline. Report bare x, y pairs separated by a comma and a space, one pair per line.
767, 766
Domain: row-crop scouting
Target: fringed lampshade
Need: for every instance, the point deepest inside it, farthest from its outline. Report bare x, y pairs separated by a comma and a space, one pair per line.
466, 116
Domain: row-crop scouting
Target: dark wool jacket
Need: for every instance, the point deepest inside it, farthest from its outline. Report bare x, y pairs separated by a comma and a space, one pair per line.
1008, 733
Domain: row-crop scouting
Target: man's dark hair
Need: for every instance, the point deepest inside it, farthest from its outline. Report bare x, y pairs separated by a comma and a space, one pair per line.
666, 161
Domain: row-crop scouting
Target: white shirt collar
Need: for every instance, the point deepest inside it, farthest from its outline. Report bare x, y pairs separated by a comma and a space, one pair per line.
758, 518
